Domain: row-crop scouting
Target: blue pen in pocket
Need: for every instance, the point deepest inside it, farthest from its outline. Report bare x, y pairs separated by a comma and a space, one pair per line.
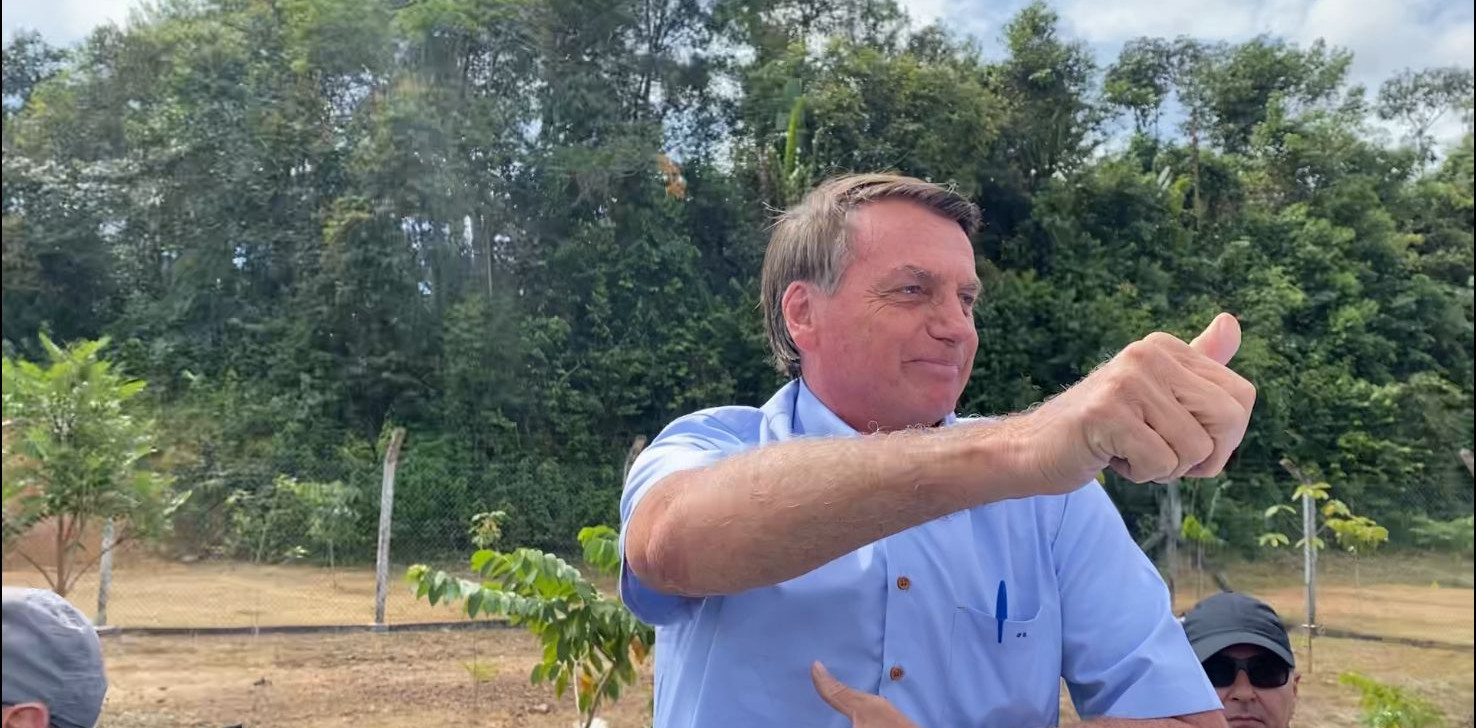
1001, 611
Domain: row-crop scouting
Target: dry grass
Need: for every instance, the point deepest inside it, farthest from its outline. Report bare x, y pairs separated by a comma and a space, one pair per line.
342, 680
149, 593
1386, 610
338, 681
371, 680
1406, 596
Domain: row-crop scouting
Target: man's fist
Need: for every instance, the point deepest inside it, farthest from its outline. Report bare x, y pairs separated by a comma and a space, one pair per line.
864, 709
1158, 411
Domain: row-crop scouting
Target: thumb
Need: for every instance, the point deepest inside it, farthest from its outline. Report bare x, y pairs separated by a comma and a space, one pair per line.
845, 699
1220, 340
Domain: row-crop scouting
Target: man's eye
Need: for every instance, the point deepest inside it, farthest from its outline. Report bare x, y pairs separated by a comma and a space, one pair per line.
912, 290
969, 300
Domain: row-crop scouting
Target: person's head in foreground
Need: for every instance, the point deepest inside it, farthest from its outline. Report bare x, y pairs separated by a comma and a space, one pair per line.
1248, 658
53, 669
868, 292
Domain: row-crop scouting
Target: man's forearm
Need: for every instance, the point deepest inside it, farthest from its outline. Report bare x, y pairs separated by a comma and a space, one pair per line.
1209, 719
774, 513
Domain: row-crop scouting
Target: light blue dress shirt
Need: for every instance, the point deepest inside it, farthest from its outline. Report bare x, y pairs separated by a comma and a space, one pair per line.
912, 617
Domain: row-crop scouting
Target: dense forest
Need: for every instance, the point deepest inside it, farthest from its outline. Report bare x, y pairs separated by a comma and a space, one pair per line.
529, 231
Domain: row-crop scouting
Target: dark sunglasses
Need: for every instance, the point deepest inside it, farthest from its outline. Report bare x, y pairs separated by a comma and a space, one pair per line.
1264, 671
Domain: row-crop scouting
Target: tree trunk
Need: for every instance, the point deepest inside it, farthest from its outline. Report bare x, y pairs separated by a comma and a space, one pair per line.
266, 526
636, 446
1198, 571
594, 701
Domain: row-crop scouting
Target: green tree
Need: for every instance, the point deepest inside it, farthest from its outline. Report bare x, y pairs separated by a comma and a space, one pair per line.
533, 231
590, 640
76, 454
1419, 99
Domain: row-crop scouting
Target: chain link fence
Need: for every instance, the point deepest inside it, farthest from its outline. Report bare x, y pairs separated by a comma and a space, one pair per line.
299, 548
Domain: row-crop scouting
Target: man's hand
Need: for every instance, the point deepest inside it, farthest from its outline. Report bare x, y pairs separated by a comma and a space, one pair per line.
863, 709
1158, 411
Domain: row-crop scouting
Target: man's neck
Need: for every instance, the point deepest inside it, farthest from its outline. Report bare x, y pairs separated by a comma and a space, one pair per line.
861, 422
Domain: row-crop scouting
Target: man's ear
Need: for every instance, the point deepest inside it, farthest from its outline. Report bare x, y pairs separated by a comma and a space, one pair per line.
27, 715
798, 305
1296, 683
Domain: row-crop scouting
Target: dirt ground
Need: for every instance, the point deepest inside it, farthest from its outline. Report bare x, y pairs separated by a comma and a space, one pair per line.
337, 681
480, 677
1422, 596
1386, 610
373, 680
155, 593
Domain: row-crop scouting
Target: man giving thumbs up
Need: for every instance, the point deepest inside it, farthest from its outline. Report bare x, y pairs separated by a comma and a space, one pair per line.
952, 569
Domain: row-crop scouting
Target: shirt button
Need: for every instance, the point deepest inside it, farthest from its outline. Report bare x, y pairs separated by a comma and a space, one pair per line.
904, 583
897, 673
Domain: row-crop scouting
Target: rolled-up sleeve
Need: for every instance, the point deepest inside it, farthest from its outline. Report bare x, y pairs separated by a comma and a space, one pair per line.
691, 442
1124, 655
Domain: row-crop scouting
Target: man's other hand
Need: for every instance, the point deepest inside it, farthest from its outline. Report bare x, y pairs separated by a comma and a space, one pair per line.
863, 709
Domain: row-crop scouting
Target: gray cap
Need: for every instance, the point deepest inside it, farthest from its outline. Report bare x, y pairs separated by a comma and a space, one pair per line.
1232, 618
52, 656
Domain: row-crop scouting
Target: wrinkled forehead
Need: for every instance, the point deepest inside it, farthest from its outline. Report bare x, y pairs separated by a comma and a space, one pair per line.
901, 236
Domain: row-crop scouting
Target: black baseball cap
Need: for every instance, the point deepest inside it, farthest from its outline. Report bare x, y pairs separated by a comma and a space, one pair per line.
1232, 618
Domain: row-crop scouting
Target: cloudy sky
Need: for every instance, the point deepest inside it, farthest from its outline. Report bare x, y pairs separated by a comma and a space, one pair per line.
1385, 36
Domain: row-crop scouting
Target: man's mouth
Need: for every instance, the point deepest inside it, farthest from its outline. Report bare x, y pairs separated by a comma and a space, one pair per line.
939, 364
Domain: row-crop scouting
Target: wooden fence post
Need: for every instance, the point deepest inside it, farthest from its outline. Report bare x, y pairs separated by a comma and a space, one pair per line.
105, 572
1309, 553
386, 512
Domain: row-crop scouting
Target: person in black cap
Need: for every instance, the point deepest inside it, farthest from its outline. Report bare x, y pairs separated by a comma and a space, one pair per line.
53, 675
1247, 656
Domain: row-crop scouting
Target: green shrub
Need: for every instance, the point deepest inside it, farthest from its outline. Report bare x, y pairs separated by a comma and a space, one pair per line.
1455, 535
1388, 706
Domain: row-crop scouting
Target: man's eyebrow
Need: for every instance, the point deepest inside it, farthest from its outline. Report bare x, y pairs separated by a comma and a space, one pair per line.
914, 272
926, 276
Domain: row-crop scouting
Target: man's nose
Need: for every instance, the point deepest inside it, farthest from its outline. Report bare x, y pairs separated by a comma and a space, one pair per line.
953, 323
1241, 689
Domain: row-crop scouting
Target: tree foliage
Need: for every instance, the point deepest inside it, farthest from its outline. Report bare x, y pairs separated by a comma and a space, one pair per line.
590, 640
531, 232
76, 453
1391, 706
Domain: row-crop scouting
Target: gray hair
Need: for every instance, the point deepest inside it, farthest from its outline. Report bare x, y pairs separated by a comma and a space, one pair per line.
810, 243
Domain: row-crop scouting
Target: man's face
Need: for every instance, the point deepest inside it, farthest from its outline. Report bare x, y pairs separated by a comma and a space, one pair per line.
1247, 706
893, 346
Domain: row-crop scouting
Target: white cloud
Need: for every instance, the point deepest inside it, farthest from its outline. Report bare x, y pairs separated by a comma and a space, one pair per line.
61, 22
1385, 36
924, 12
1115, 22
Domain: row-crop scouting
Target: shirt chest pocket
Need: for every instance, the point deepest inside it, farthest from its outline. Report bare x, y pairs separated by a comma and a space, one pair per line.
1005, 672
